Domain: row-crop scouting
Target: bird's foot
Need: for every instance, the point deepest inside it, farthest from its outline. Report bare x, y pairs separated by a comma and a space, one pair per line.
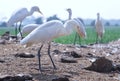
55, 68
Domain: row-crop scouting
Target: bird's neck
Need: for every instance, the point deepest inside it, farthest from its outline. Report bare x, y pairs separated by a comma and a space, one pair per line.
31, 12
70, 15
98, 17
68, 27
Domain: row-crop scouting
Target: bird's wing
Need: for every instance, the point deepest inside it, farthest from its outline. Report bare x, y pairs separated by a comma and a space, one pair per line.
27, 29
17, 16
43, 33
99, 26
20, 11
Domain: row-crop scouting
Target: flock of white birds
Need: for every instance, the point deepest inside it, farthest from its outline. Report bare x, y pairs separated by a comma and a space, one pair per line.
50, 30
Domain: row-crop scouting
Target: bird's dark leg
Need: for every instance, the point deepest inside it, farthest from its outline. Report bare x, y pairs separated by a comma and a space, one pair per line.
79, 39
101, 38
20, 29
39, 55
97, 39
75, 38
50, 56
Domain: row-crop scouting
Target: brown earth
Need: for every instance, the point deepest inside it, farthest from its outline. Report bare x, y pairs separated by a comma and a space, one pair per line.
12, 65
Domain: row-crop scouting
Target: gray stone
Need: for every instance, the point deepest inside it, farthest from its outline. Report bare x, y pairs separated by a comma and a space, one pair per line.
24, 55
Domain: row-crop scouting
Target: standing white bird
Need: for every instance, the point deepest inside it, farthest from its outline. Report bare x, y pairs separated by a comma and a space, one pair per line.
70, 13
99, 28
69, 10
20, 15
27, 29
46, 32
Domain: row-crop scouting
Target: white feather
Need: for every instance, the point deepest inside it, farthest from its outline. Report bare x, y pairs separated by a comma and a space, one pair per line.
50, 30
27, 29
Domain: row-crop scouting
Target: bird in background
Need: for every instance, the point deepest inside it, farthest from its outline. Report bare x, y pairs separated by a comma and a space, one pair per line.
69, 10
27, 29
19, 15
48, 31
99, 29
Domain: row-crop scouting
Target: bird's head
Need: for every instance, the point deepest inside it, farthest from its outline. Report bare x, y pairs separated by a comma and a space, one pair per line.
69, 10
98, 14
80, 28
36, 8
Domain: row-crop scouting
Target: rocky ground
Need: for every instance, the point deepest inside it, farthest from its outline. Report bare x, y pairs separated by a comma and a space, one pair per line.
70, 61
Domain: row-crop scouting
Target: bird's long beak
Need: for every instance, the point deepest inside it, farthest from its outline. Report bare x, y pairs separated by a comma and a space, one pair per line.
40, 12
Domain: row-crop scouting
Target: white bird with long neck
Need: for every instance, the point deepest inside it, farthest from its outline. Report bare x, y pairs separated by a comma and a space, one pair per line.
19, 15
99, 28
48, 31
69, 10
70, 13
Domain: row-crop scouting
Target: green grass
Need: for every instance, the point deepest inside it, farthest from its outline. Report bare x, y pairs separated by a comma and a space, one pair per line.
4, 29
111, 33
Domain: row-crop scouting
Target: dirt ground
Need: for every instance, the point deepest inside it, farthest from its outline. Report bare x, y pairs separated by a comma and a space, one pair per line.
74, 71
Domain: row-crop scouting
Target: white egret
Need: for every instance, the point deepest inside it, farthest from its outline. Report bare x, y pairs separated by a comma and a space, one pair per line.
99, 28
46, 32
27, 29
69, 10
20, 15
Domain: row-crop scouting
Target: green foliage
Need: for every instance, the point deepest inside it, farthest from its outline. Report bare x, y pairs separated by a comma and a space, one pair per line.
4, 29
111, 33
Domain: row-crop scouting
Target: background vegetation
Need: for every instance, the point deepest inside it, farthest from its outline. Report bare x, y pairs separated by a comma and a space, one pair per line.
111, 33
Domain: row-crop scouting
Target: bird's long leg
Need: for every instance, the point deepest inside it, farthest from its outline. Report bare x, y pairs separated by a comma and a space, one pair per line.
101, 38
75, 38
79, 39
96, 38
20, 29
39, 55
50, 56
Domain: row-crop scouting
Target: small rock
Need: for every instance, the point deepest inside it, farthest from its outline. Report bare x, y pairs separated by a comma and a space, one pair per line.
6, 78
91, 44
67, 75
13, 36
75, 55
56, 51
68, 60
2, 61
101, 65
61, 79
66, 53
24, 55
90, 54
72, 54
83, 46
116, 68
22, 77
